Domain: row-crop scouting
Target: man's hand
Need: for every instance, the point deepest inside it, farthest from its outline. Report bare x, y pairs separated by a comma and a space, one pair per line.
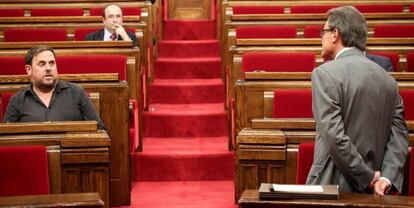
121, 31
375, 179
381, 187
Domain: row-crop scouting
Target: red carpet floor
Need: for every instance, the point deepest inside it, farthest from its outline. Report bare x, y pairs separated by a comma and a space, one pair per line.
185, 161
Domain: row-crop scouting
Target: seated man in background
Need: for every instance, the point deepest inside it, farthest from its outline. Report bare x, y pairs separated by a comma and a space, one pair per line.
113, 29
383, 61
47, 98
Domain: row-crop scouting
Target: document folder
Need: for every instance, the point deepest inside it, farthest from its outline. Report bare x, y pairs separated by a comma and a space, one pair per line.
287, 191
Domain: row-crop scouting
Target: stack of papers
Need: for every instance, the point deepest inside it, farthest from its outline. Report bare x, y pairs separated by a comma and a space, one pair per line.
287, 191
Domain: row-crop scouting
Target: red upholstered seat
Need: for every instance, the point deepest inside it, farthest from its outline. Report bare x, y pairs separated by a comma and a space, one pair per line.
258, 10
80, 33
408, 99
394, 31
44, 12
394, 57
410, 62
312, 31
411, 174
12, 65
279, 61
380, 8
284, 31
18, 12
84, 64
412, 8
310, 9
305, 160
5, 97
24, 170
34, 34
126, 11
292, 103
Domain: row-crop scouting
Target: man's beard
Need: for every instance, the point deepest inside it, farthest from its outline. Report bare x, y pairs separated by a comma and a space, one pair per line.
46, 87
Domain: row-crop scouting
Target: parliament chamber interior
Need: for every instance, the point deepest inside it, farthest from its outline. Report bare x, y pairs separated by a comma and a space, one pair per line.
213, 100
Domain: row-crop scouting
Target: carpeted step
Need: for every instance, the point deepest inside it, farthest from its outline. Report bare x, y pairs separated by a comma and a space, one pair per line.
183, 194
182, 91
187, 68
185, 120
188, 49
179, 159
189, 29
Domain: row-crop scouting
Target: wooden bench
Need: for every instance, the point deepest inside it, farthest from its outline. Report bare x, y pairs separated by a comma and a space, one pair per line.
78, 154
113, 107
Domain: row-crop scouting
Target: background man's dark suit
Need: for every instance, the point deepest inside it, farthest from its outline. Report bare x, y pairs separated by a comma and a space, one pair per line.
383, 61
99, 35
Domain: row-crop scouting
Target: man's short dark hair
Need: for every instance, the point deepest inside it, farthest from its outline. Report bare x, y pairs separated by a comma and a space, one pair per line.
104, 9
36, 50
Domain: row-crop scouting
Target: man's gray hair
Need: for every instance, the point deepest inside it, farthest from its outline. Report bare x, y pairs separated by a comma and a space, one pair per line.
350, 24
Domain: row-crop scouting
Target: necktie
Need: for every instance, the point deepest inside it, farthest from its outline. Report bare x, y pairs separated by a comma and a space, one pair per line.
113, 36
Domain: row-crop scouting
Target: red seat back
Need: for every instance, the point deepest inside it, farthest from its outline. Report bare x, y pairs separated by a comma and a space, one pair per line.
393, 31
12, 65
24, 170
394, 57
310, 9
312, 31
411, 174
5, 97
304, 162
380, 8
279, 61
18, 12
126, 11
84, 64
412, 8
408, 99
284, 31
46, 12
410, 62
34, 34
258, 10
292, 103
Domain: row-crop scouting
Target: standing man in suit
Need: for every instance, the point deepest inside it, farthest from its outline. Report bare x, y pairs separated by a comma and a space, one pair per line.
113, 29
361, 141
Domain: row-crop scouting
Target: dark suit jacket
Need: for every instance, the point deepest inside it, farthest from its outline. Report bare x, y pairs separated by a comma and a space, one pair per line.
383, 61
99, 35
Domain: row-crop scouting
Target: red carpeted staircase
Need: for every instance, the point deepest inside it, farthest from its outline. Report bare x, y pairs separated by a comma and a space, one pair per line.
185, 161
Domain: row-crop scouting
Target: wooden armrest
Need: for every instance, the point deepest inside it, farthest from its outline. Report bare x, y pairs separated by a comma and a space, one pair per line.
271, 123
38, 127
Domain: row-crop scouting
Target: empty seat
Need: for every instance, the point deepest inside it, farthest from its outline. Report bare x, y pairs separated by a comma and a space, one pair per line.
45, 12
24, 170
312, 31
394, 57
394, 31
279, 61
284, 31
304, 161
34, 34
410, 62
84, 64
408, 99
12, 65
380, 8
18, 12
258, 10
126, 11
310, 9
292, 103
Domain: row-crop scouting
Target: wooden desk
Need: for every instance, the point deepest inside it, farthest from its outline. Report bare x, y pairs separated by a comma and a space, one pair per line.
250, 199
90, 200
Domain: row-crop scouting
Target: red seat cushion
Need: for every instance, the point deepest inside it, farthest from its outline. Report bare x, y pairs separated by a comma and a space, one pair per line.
44, 12
5, 97
24, 170
285, 31
393, 31
258, 10
310, 9
380, 8
126, 11
12, 12
312, 31
84, 64
279, 61
34, 34
292, 103
394, 57
410, 62
408, 99
12, 65
304, 162
412, 8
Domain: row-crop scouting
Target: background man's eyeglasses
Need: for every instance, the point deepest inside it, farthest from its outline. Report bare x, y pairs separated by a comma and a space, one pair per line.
323, 31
